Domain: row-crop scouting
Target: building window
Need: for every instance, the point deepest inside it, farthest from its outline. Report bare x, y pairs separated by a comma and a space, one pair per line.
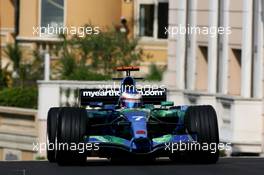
153, 18
202, 68
163, 9
235, 72
146, 19
52, 13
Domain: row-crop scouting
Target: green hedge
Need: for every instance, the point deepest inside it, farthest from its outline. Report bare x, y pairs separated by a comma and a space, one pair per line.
19, 97
155, 73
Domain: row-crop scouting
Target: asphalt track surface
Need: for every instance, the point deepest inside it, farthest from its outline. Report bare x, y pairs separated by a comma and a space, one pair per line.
226, 166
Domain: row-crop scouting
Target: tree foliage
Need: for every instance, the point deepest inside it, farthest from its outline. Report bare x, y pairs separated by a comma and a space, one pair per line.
155, 73
5, 76
24, 72
26, 97
94, 57
14, 53
18, 84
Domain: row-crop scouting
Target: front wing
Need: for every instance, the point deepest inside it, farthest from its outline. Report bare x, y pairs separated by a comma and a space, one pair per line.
158, 143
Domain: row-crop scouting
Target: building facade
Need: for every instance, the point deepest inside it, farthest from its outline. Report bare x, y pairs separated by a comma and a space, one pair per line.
146, 19
225, 70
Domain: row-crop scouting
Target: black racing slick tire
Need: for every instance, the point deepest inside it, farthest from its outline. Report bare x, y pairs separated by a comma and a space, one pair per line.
71, 131
51, 133
202, 122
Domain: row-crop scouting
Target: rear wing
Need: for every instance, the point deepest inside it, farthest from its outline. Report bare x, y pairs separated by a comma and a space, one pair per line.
111, 96
127, 69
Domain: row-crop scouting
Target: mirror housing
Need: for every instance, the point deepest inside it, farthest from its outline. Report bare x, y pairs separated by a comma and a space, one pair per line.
167, 103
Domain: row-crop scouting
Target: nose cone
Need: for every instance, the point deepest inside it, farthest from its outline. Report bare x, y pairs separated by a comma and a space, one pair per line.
140, 141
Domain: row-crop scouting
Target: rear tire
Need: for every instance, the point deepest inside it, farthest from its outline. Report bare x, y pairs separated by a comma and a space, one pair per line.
202, 121
51, 133
71, 130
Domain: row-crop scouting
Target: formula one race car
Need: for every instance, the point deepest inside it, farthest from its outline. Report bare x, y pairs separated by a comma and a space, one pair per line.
129, 122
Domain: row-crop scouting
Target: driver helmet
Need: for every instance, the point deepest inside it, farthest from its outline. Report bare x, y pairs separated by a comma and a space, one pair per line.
130, 100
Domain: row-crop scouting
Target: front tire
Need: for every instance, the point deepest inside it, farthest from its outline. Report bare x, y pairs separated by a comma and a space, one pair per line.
71, 130
51, 133
202, 121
